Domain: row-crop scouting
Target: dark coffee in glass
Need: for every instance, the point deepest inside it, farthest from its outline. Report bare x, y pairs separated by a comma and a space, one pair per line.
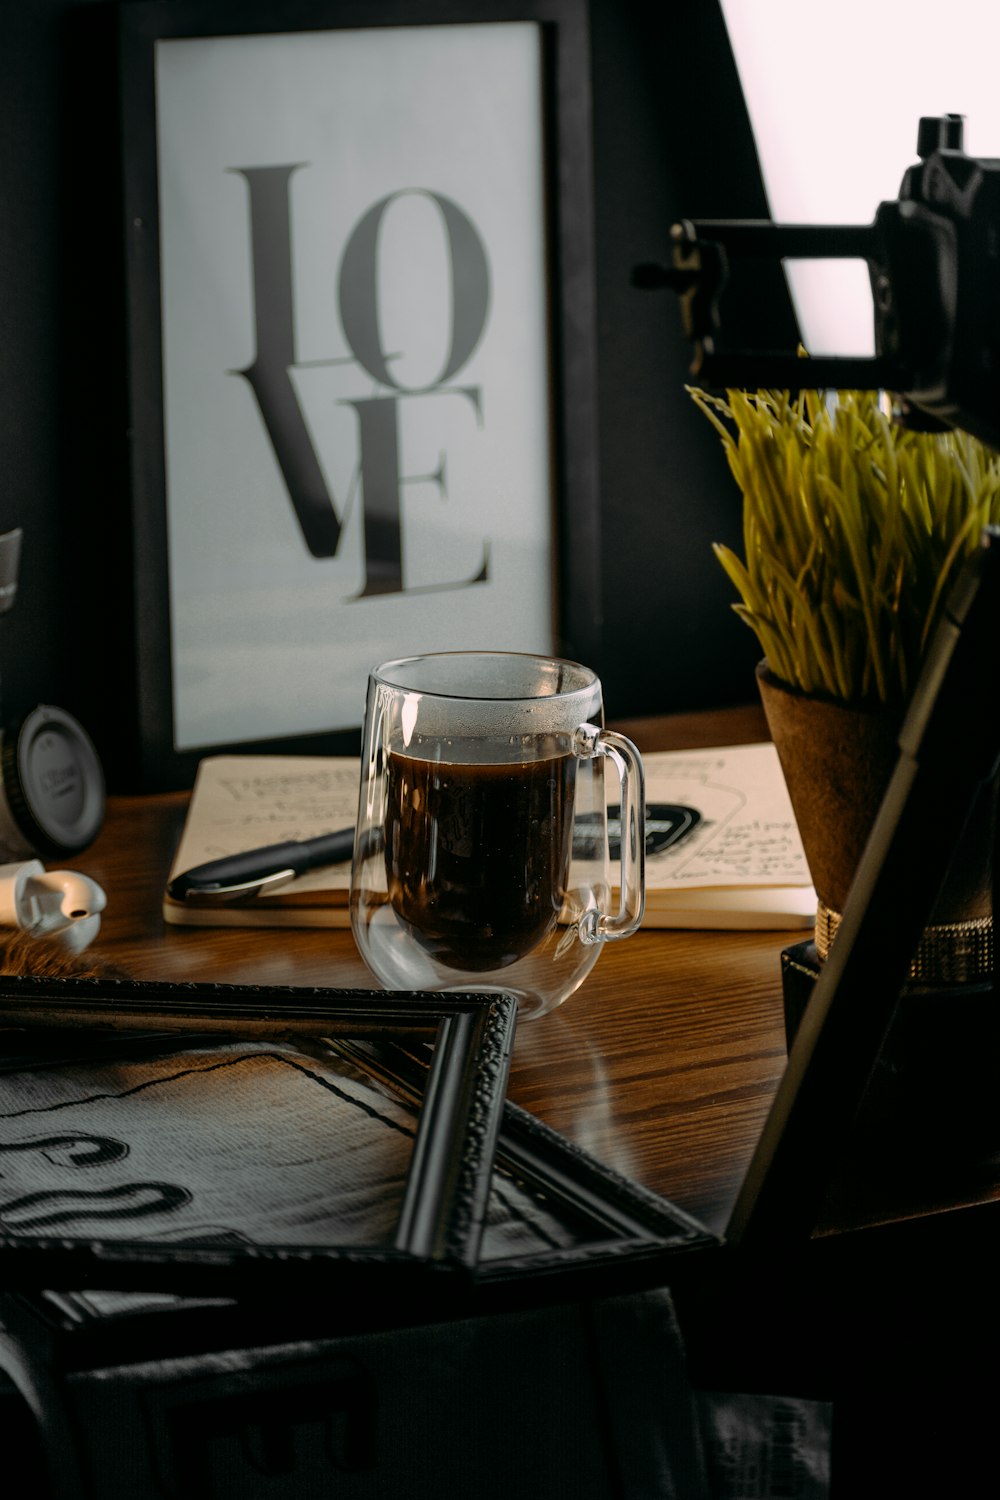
477, 854
481, 857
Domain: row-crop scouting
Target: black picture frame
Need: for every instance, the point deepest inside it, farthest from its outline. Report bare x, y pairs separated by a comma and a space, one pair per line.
551, 1221
92, 1030
168, 747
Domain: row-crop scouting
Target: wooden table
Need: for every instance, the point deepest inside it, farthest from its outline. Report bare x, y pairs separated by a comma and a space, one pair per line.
663, 1064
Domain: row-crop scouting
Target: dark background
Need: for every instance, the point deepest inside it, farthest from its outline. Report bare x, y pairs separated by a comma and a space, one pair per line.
671, 139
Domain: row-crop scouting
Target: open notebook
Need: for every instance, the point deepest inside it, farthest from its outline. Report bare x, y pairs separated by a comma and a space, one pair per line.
740, 864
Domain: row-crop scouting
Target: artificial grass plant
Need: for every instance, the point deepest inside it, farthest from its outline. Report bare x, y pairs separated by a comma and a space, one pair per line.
853, 528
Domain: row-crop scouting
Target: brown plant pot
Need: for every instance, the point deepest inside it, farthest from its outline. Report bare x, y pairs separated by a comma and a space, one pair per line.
837, 760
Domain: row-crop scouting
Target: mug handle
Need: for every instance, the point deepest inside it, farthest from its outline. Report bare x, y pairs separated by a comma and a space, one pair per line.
589, 741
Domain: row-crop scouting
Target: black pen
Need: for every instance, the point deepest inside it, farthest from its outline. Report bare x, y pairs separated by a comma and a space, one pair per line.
260, 870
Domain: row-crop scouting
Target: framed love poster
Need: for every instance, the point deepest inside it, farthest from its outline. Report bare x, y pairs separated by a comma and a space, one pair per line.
360, 326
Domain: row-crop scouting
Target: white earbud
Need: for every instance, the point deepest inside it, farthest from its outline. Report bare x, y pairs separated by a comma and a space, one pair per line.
58, 904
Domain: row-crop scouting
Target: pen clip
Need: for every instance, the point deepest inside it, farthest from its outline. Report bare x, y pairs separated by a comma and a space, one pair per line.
218, 895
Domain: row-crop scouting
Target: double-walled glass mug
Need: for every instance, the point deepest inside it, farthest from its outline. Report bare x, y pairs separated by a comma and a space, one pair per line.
482, 857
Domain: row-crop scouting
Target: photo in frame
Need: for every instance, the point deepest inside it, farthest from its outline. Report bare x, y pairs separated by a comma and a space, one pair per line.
361, 350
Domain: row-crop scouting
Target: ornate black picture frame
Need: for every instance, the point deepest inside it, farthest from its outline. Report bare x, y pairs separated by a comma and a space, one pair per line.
215, 1139
307, 500
550, 1220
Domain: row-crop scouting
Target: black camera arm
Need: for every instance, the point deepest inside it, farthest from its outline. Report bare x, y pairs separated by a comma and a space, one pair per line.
933, 259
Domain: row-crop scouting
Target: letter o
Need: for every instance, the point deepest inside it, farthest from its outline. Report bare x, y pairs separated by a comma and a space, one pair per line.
357, 289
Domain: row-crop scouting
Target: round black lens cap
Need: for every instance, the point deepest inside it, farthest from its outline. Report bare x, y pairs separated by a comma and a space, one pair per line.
52, 782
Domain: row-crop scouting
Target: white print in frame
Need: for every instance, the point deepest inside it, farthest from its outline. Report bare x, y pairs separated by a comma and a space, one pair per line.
356, 365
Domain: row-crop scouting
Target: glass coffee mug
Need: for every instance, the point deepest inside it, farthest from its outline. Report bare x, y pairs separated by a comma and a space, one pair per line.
481, 856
